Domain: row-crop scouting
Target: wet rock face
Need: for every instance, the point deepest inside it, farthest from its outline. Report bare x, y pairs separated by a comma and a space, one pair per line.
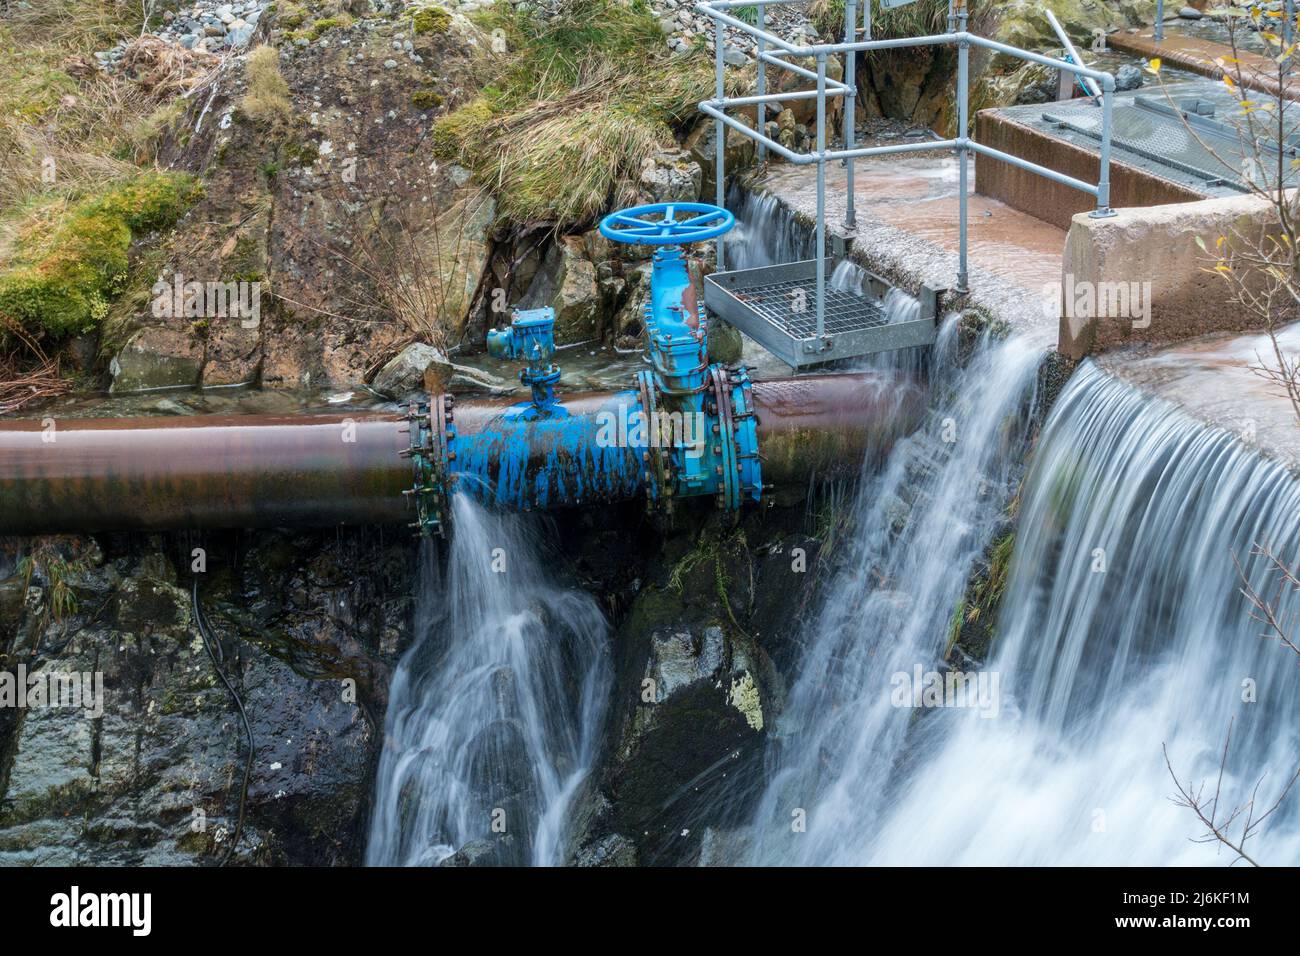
696, 688
307, 626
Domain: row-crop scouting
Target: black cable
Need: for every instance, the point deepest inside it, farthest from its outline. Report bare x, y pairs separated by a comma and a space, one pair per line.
248, 729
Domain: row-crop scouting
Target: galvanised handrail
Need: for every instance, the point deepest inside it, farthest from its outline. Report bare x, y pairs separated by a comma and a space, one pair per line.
774, 51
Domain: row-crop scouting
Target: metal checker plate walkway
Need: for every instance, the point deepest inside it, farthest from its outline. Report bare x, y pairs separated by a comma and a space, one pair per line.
774, 306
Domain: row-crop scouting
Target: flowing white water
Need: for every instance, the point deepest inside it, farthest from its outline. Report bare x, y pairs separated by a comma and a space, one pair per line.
1096, 669
851, 277
495, 712
1105, 666
920, 526
1122, 629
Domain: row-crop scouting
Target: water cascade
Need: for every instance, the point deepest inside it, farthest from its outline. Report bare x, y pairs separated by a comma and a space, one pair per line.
919, 527
495, 712
1122, 629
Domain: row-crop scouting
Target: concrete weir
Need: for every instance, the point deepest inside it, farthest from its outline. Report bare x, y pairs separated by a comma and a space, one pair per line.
1180, 337
907, 232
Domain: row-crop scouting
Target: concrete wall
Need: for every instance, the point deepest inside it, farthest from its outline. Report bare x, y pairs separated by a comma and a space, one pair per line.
1146, 262
1050, 201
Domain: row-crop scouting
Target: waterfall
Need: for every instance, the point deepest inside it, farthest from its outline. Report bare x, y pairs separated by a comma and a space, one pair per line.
495, 711
1123, 629
766, 232
921, 524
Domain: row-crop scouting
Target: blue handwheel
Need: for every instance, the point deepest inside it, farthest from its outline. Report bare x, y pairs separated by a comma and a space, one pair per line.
665, 223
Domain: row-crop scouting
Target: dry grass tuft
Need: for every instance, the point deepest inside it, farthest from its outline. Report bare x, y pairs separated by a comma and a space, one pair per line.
162, 70
28, 378
569, 116
267, 97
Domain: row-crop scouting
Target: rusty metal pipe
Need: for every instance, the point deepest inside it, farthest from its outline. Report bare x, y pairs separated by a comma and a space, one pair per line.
152, 474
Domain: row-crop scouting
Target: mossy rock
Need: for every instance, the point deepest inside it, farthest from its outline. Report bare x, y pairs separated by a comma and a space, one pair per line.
451, 132
426, 100
430, 20
302, 154
290, 16
62, 279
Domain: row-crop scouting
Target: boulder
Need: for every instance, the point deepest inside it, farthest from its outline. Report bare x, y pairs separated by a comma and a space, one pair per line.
1023, 24
567, 282
670, 176
1128, 77
739, 154
693, 698
411, 368
157, 357
423, 368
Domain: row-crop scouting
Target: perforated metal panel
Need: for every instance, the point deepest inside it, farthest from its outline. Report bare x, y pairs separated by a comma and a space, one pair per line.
777, 307
1212, 150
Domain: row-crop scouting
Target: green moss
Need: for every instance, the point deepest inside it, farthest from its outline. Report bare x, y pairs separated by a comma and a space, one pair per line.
63, 276
302, 154
426, 100
291, 16
430, 20
452, 134
971, 626
319, 27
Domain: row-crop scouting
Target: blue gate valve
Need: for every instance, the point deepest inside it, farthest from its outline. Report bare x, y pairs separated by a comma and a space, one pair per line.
531, 337
700, 429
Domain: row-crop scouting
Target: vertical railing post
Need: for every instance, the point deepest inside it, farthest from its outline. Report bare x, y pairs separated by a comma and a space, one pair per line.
850, 107
1160, 20
1288, 22
821, 196
762, 83
866, 19
963, 153
1103, 178
720, 133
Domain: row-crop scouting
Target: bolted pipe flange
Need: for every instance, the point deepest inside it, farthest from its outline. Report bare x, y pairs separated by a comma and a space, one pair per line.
432, 450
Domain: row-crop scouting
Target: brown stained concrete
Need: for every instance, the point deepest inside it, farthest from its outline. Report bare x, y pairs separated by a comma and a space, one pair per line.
1157, 281
1053, 201
1214, 378
1201, 55
907, 233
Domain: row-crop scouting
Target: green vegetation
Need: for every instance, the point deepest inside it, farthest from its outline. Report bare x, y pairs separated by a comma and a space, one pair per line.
71, 258
301, 154
972, 620
290, 15
77, 147
62, 123
426, 100
568, 117
430, 20
317, 28
48, 564
916, 19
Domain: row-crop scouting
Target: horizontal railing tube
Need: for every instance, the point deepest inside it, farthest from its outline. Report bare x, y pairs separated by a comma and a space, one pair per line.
174, 473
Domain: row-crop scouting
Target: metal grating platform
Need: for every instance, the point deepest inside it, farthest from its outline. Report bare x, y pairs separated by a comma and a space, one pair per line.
776, 306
